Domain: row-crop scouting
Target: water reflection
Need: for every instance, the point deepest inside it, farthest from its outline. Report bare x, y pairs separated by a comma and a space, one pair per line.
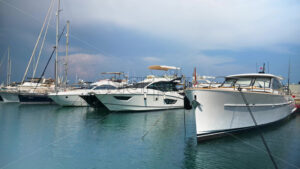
246, 150
49, 136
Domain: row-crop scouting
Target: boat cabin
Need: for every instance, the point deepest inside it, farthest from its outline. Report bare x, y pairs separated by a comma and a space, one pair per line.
265, 82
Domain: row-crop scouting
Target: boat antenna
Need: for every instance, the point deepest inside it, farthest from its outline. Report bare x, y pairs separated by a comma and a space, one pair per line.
256, 67
289, 74
258, 128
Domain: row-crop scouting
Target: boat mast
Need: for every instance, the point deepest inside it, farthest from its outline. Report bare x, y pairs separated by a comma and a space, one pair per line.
67, 49
57, 36
8, 67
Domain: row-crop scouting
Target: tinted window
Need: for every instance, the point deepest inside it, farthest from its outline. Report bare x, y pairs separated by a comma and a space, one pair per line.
137, 85
104, 87
163, 86
170, 101
122, 97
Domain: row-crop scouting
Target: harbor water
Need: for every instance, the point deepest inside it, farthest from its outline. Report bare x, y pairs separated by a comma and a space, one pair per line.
54, 137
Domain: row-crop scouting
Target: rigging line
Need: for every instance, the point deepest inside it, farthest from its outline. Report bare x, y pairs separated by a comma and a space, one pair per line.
260, 149
3, 58
36, 44
73, 36
184, 124
44, 38
49, 59
258, 128
155, 123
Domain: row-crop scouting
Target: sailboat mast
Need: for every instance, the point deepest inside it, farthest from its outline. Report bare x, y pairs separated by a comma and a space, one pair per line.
67, 49
57, 36
8, 68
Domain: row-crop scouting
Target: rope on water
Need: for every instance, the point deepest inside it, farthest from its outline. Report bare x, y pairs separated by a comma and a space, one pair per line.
258, 128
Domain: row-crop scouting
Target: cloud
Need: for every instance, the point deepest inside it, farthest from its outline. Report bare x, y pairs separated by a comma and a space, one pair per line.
151, 59
213, 65
205, 24
86, 66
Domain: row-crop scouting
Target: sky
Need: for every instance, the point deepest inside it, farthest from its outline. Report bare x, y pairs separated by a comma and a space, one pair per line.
217, 37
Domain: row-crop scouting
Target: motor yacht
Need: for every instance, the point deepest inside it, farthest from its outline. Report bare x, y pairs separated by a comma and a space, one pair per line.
153, 93
116, 80
78, 97
224, 109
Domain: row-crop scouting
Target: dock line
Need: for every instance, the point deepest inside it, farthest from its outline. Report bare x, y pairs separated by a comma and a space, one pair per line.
258, 128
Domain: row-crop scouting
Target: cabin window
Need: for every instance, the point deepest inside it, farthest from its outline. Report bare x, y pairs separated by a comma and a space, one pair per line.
170, 101
104, 87
163, 86
242, 82
228, 83
276, 84
122, 97
137, 85
262, 82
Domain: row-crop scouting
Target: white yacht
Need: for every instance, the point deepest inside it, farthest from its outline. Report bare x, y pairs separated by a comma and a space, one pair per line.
153, 93
23, 92
223, 109
9, 94
76, 97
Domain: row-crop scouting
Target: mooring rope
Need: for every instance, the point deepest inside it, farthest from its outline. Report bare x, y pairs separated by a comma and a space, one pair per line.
258, 128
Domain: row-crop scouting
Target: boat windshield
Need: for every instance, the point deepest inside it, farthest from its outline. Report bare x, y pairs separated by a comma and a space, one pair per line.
259, 82
262, 82
104, 87
243, 82
228, 82
137, 85
163, 86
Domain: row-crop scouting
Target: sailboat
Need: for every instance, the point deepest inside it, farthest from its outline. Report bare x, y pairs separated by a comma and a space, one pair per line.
39, 93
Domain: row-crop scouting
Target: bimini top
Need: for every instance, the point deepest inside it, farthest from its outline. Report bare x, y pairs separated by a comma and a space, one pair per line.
163, 67
112, 73
254, 75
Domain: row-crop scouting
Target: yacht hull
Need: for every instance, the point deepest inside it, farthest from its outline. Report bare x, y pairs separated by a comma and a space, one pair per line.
10, 97
34, 98
68, 100
218, 112
92, 100
139, 102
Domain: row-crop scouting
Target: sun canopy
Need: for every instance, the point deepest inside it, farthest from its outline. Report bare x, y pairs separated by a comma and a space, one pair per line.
163, 67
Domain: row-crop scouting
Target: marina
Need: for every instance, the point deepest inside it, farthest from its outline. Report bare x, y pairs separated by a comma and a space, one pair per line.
114, 88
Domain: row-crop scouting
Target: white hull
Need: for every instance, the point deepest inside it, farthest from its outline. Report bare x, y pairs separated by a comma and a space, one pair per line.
10, 97
221, 111
140, 102
68, 100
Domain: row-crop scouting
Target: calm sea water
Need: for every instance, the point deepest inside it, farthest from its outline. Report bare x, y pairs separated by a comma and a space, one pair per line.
52, 137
